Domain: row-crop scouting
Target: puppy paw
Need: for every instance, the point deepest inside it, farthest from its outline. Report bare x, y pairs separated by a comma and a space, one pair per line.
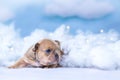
11, 67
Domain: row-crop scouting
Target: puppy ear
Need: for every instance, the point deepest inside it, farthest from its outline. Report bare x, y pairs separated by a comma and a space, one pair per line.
58, 42
36, 47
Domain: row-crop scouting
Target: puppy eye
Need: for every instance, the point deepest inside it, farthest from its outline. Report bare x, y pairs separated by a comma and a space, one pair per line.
48, 51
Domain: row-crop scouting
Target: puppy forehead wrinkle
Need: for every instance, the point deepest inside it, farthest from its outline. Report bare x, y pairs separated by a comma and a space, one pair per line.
47, 43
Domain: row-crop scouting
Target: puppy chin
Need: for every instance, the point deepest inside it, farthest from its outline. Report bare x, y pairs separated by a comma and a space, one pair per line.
49, 63
36, 64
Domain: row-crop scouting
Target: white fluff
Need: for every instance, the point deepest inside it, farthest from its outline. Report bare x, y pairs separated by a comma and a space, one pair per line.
81, 50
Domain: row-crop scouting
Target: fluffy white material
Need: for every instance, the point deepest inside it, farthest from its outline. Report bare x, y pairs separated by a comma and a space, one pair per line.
84, 49
58, 74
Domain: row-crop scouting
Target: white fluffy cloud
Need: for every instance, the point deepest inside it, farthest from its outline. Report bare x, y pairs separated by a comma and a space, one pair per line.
8, 8
82, 50
88, 9
5, 14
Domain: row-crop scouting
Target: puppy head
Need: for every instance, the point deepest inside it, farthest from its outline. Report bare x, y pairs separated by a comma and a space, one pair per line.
48, 52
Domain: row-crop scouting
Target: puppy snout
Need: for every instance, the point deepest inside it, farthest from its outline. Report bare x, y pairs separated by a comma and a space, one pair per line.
56, 57
49, 63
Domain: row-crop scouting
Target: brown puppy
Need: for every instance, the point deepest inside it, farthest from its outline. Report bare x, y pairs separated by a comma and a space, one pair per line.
45, 53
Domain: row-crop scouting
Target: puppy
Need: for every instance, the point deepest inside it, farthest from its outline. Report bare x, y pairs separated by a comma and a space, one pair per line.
45, 54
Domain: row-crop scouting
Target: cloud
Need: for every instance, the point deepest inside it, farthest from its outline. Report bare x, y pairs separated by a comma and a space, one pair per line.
88, 9
81, 50
9, 8
5, 14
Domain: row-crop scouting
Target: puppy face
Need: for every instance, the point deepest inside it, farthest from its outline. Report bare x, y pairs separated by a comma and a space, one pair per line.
48, 52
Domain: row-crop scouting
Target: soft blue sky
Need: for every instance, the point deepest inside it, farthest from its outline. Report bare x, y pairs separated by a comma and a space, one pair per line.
86, 15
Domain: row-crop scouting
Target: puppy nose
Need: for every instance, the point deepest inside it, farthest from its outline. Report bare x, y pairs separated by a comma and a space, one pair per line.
56, 56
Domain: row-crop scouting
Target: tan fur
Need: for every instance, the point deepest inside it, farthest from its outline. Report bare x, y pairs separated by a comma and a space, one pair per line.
38, 56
